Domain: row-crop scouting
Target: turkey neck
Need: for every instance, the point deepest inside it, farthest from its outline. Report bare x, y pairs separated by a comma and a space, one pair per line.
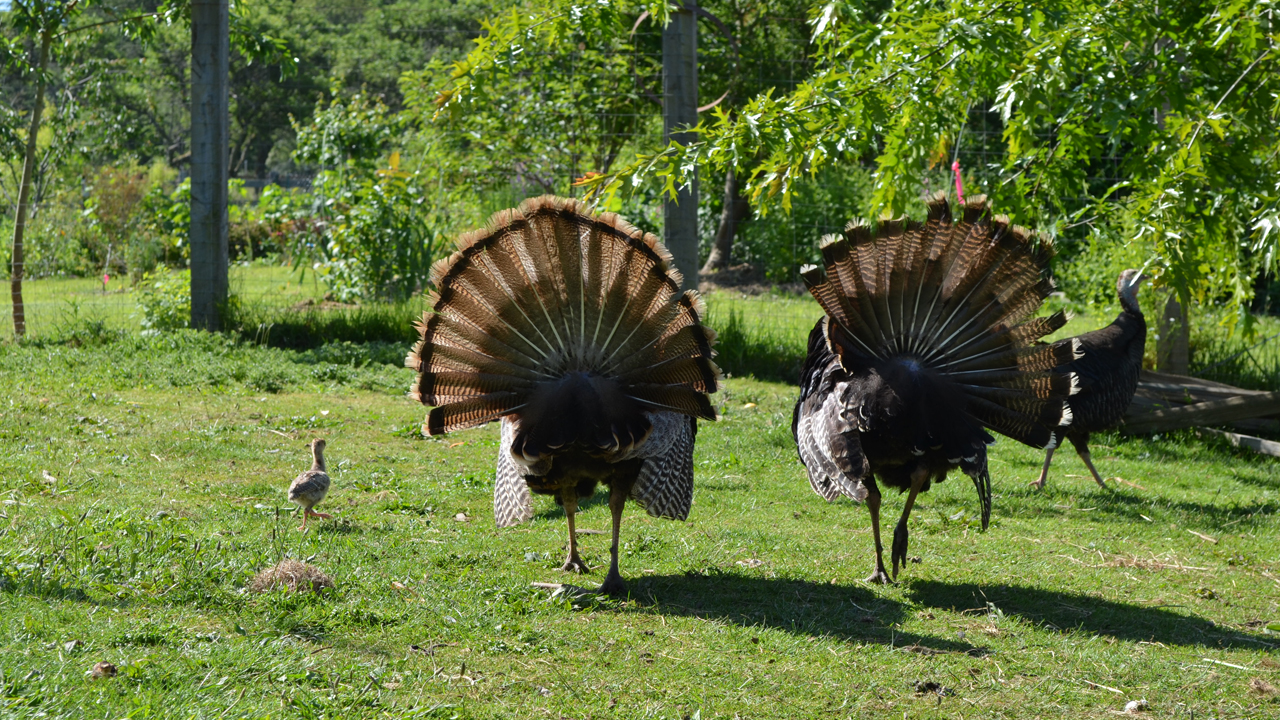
317, 459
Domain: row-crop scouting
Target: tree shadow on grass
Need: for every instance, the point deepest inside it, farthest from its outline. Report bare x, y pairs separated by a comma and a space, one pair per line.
1063, 611
849, 613
1130, 505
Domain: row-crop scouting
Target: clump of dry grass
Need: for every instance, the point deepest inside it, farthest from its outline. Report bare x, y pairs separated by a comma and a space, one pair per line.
293, 575
1262, 687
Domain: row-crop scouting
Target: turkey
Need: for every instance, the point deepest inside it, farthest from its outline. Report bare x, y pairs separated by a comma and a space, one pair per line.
571, 329
1108, 373
309, 488
926, 345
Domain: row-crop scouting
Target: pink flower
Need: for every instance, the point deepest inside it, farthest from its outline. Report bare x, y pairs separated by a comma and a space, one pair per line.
955, 168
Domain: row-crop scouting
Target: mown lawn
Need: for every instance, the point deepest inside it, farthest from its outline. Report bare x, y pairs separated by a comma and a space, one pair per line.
143, 483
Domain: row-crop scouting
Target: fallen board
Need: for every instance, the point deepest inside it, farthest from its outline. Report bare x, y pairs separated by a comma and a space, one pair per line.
1258, 445
1213, 412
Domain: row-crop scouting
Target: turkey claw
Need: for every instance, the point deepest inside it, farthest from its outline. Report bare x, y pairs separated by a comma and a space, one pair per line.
574, 564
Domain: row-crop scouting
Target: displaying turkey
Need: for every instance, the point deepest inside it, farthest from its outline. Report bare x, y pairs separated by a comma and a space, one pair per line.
926, 344
309, 488
1108, 373
571, 328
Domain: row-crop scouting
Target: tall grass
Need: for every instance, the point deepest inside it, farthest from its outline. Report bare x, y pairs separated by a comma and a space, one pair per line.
1251, 362
312, 327
757, 350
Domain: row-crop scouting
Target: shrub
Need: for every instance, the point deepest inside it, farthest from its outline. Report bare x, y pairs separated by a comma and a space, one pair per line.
165, 299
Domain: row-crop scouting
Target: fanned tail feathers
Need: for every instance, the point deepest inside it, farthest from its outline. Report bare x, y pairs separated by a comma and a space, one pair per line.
550, 289
955, 294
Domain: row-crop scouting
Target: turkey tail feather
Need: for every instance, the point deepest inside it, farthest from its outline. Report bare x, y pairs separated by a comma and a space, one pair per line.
549, 291
956, 296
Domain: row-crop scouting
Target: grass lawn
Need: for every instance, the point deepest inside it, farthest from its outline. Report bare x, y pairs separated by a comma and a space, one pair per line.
143, 484
55, 304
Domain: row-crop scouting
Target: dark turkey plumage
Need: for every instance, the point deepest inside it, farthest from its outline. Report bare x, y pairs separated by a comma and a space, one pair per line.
1108, 372
925, 346
571, 329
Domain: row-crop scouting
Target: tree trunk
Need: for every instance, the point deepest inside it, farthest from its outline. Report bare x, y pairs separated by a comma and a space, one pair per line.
210, 160
735, 209
24, 192
1173, 346
679, 110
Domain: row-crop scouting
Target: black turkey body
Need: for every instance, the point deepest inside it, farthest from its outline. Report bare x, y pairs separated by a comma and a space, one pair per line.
1108, 371
924, 347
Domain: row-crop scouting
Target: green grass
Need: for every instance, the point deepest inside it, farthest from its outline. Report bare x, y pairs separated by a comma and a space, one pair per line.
57, 306
169, 457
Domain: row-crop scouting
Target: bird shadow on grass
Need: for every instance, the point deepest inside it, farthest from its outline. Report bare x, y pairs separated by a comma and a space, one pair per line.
849, 613
1067, 612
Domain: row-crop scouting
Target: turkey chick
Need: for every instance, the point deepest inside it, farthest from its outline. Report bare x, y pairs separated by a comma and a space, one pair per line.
309, 488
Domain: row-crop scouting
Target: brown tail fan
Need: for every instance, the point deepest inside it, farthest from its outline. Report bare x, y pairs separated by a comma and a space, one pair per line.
550, 289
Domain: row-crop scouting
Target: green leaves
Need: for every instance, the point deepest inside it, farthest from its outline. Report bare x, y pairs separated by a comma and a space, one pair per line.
1156, 122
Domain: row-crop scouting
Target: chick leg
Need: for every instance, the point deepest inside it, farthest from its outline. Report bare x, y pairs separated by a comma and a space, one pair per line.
315, 514
572, 563
1044, 471
306, 512
879, 577
900, 532
613, 584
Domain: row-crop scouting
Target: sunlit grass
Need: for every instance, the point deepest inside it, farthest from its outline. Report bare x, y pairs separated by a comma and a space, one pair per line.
144, 483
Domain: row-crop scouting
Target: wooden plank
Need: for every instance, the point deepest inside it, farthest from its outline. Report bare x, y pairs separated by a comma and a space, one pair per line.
1213, 412
1258, 445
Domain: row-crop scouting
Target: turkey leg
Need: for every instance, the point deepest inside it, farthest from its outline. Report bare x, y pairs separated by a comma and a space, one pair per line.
1044, 471
1089, 464
613, 584
880, 577
572, 563
900, 532
1082, 449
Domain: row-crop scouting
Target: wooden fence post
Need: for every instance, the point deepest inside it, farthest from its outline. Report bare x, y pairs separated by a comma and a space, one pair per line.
680, 108
210, 67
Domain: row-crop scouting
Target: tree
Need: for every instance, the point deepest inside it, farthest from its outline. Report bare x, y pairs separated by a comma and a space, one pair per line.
1147, 123
588, 73
43, 22
49, 27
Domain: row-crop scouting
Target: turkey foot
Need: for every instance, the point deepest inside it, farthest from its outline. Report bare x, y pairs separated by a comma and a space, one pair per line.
613, 585
574, 564
309, 513
879, 577
1044, 471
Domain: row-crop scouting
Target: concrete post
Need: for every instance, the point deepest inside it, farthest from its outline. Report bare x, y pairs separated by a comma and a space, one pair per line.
210, 141
680, 108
